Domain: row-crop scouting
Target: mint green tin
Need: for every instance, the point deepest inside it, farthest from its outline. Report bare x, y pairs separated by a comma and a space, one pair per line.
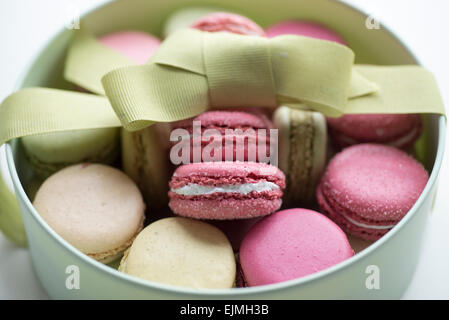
382, 271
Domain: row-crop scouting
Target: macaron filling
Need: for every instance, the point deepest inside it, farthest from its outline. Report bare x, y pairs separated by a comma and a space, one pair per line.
368, 226
194, 189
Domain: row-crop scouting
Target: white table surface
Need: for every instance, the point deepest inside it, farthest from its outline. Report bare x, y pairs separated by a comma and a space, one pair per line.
26, 25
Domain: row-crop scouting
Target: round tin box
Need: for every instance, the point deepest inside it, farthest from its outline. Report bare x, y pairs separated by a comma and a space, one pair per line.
393, 258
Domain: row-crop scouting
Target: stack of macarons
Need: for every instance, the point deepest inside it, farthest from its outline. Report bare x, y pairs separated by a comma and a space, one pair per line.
228, 218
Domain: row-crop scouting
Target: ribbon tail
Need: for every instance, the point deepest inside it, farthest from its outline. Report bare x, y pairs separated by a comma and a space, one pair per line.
40, 110
11, 223
88, 61
402, 89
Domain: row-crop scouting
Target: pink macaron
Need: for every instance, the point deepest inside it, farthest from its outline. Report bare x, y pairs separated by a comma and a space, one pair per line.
368, 188
230, 22
135, 45
306, 29
225, 135
291, 244
397, 130
226, 190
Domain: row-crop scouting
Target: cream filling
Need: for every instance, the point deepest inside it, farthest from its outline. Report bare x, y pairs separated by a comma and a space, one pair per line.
367, 226
194, 189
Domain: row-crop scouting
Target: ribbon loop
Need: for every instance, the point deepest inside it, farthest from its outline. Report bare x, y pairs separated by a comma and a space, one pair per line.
239, 71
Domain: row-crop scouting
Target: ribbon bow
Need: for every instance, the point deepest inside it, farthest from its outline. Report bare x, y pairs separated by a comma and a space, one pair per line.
194, 70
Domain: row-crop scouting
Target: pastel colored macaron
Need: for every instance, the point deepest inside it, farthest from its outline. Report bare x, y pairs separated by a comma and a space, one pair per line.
182, 252
145, 160
302, 152
229, 22
49, 153
224, 135
306, 29
96, 208
368, 188
226, 190
185, 17
290, 244
397, 130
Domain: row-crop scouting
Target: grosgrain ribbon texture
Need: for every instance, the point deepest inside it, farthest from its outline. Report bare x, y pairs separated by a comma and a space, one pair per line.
193, 71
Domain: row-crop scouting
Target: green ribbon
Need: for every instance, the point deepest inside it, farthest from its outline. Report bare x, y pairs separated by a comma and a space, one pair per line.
11, 223
193, 71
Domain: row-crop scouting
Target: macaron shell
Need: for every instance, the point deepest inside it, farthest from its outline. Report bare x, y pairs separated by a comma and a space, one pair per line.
290, 244
230, 169
304, 28
398, 130
239, 130
231, 119
368, 188
145, 161
48, 153
96, 208
135, 45
182, 252
366, 234
230, 22
225, 209
374, 180
184, 18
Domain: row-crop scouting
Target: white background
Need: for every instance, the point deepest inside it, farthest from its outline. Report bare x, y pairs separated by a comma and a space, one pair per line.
26, 25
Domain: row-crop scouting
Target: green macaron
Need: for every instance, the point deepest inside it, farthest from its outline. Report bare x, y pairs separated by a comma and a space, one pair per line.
49, 153
302, 152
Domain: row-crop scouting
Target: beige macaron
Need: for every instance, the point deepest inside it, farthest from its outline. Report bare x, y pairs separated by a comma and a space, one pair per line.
145, 160
182, 252
302, 153
94, 207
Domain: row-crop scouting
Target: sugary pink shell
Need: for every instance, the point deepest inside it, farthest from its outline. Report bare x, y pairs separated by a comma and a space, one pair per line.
135, 45
381, 128
345, 224
231, 119
291, 244
230, 169
230, 22
224, 209
373, 181
304, 28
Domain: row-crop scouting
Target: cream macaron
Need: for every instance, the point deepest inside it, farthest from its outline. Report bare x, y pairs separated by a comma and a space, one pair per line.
96, 208
182, 252
302, 153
